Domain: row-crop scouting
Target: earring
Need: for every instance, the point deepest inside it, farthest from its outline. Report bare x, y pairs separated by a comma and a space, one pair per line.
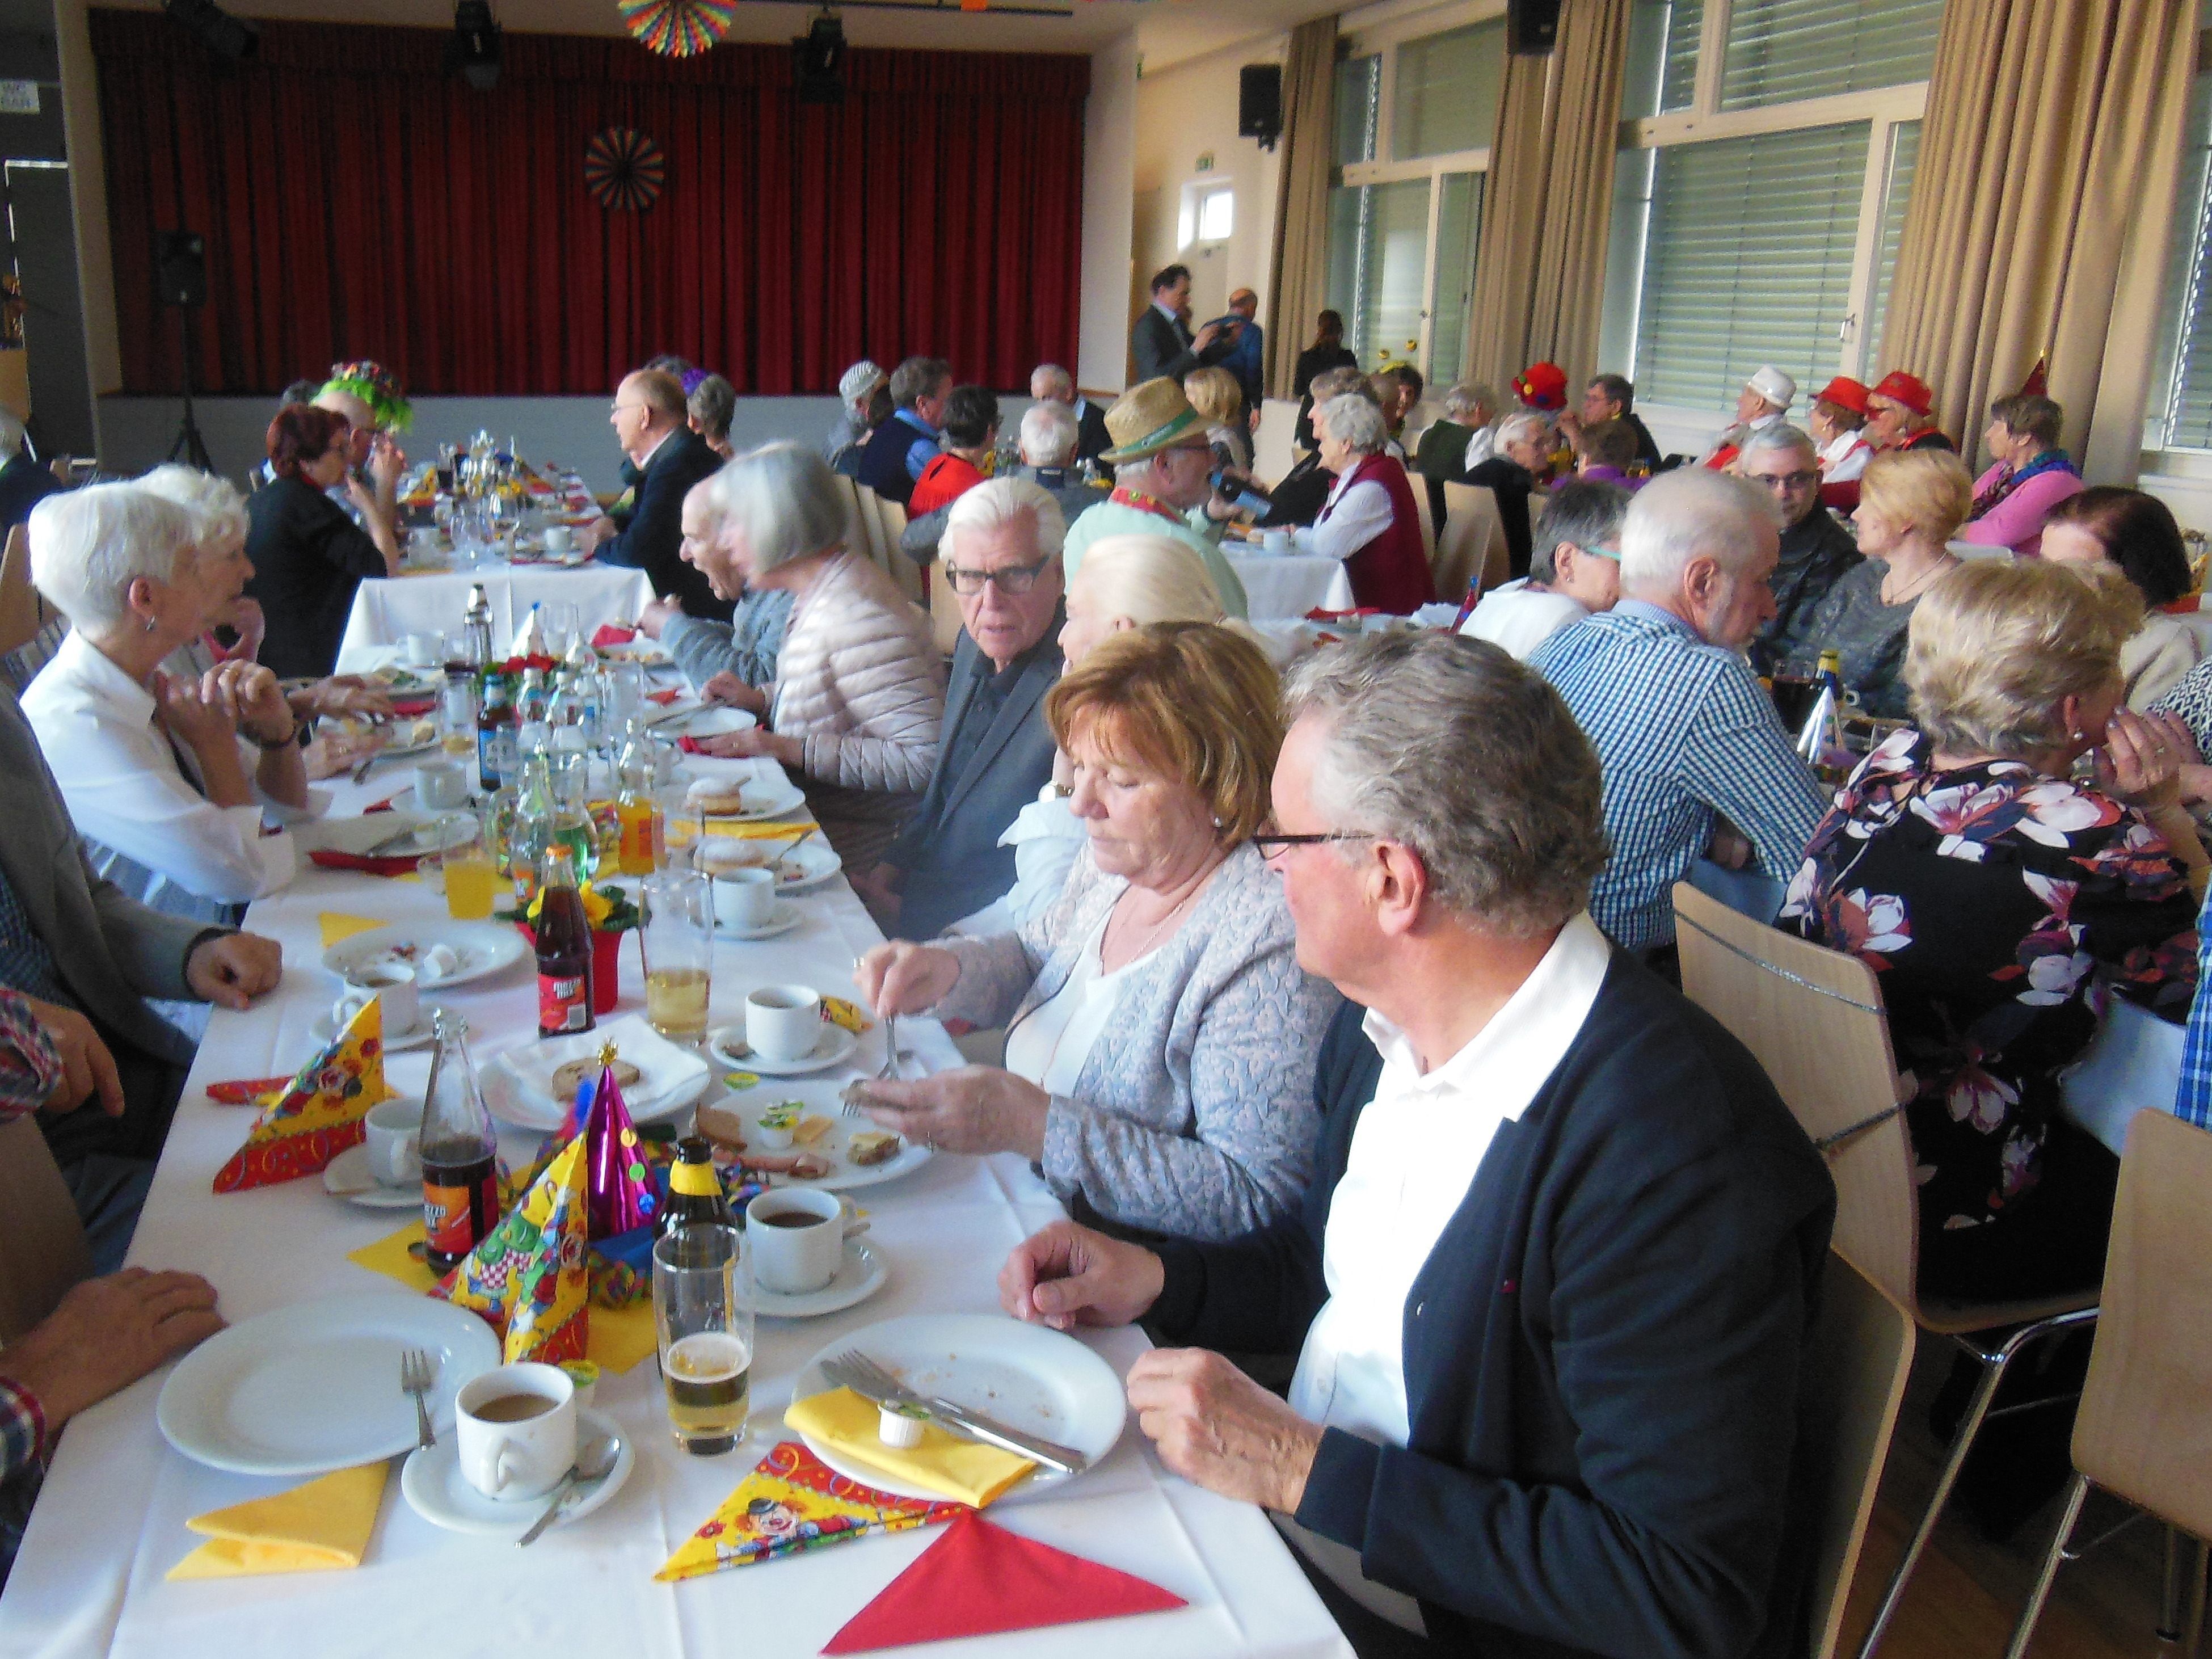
151, 625
2079, 735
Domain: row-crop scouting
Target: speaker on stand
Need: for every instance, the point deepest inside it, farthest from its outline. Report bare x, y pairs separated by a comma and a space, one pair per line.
180, 280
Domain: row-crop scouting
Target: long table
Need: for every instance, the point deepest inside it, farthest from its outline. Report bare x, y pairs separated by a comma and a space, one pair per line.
110, 1523
386, 609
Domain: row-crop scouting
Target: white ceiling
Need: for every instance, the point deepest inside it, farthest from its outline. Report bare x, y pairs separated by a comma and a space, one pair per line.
1168, 31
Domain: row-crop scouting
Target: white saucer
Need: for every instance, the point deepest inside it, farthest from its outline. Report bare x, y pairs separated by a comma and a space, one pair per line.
786, 917
431, 1481
835, 1047
324, 1031
350, 1170
860, 1276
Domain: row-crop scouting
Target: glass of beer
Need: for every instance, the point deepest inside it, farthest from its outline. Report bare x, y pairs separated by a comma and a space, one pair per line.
678, 941
465, 859
703, 1321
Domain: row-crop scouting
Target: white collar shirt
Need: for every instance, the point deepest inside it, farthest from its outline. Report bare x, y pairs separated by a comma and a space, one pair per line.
656, 449
1844, 458
1353, 515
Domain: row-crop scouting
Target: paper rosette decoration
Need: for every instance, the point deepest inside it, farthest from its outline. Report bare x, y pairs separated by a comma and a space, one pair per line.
319, 1115
528, 1277
680, 28
624, 169
791, 1502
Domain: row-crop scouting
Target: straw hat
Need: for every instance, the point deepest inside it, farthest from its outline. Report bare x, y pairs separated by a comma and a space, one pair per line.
1148, 418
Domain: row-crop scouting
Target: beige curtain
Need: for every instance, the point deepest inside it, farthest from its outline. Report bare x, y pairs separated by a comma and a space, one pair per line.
1298, 281
2040, 211
1547, 205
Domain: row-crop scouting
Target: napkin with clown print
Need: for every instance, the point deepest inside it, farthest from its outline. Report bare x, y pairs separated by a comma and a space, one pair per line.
319, 1114
530, 1277
791, 1503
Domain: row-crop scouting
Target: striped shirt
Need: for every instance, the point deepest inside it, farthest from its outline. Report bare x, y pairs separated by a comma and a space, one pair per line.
1683, 735
2192, 1100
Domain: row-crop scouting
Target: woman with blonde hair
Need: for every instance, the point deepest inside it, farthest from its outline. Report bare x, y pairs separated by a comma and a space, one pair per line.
1220, 401
1911, 502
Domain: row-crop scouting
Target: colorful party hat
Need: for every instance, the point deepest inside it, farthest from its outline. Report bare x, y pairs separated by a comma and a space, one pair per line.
319, 1115
528, 1277
618, 1187
790, 1503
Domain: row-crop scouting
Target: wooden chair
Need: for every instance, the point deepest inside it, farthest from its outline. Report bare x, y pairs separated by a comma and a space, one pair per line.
2140, 1432
42, 1248
869, 520
1428, 518
890, 519
1812, 1019
1472, 542
20, 605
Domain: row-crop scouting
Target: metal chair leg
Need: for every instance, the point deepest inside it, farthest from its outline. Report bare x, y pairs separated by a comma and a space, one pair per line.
2171, 1609
2077, 1491
2193, 1635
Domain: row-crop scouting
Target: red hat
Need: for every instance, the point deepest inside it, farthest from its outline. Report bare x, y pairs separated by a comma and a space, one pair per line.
1542, 386
1905, 389
1845, 393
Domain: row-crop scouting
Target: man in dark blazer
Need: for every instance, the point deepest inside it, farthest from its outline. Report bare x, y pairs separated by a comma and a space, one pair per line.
652, 422
1551, 1303
996, 752
1161, 343
1050, 383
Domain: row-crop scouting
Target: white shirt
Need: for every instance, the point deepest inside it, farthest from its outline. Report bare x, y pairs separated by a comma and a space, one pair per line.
126, 789
1518, 618
1353, 515
1481, 445
1844, 458
1050, 1043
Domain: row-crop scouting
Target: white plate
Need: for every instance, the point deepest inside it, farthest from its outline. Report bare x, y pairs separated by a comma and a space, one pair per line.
514, 1099
807, 864
666, 1068
324, 1031
485, 948
432, 1483
786, 917
347, 1176
792, 798
835, 1047
309, 1388
1027, 1377
860, 1276
844, 1174
712, 721
356, 835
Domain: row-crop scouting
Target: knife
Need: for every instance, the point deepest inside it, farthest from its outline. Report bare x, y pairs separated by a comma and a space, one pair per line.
975, 1425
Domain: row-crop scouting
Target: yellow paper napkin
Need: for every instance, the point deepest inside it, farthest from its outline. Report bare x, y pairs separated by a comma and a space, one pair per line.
683, 827
618, 1337
959, 1470
337, 927
318, 1528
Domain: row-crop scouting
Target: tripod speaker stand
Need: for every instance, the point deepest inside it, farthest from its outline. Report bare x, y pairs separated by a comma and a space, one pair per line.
180, 280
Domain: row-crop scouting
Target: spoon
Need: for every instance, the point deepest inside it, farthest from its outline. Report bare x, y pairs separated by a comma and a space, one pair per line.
593, 1467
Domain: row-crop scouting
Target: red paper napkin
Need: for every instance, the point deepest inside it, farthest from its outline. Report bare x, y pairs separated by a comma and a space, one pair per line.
609, 634
979, 1579
330, 858
413, 707
1320, 615
246, 1090
665, 697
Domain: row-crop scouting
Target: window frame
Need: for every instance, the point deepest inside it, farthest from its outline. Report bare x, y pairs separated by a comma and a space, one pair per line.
2189, 218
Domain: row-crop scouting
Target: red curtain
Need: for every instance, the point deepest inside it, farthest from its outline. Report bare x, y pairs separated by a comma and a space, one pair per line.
359, 203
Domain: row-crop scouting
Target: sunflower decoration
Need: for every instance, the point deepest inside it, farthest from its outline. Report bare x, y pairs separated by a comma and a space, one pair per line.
680, 28
625, 170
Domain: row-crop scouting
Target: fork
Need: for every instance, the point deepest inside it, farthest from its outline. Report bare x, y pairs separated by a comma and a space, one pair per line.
862, 1374
415, 1376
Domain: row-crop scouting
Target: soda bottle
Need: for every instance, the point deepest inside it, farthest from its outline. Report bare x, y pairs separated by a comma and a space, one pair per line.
460, 1163
476, 627
644, 830
564, 950
535, 823
495, 733
695, 1188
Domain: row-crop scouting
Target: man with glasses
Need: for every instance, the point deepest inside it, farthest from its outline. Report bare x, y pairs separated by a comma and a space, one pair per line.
1783, 461
1163, 484
1002, 554
653, 424
1575, 573
1555, 1271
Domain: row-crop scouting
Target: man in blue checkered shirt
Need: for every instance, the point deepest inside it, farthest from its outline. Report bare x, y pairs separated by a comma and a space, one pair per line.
1684, 733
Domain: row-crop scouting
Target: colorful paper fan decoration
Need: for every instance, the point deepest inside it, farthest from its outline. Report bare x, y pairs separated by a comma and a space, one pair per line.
625, 170
680, 28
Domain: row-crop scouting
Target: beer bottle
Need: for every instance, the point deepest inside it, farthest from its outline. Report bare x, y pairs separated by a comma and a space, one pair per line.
494, 728
695, 1188
460, 1164
564, 949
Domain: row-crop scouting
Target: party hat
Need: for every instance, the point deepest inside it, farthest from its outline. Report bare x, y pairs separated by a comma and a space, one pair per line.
528, 1277
319, 1115
618, 1187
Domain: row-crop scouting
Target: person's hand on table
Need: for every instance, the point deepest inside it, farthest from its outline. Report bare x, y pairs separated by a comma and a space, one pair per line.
250, 694
751, 742
975, 1108
1218, 1429
732, 692
339, 751
657, 615
1068, 1275
105, 1334
189, 715
595, 534
344, 694
231, 969
88, 1068
899, 976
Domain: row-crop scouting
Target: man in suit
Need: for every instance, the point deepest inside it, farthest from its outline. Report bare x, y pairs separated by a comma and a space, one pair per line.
1050, 383
1161, 343
1551, 1301
653, 424
1001, 554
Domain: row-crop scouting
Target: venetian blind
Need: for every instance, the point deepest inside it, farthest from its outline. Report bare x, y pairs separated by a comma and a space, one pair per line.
1782, 51
2180, 415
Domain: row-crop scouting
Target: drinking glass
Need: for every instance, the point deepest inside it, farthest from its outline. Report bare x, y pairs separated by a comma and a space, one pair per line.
702, 1317
563, 624
467, 863
625, 683
677, 942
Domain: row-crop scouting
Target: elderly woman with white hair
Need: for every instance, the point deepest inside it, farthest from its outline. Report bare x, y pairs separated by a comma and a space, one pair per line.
172, 779
1369, 523
858, 415
1519, 464
859, 690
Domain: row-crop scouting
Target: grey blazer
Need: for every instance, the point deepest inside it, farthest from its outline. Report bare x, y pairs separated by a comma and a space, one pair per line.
1194, 1113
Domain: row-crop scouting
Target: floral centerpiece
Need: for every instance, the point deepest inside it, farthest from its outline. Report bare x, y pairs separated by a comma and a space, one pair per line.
611, 913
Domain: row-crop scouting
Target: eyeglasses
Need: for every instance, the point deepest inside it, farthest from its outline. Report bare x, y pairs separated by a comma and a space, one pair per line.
1014, 580
1612, 553
1271, 844
1785, 480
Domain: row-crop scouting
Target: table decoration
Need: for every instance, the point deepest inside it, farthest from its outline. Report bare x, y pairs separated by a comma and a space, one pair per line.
528, 1278
965, 1471
321, 1526
246, 1091
319, 1114
680, 28
789, 1504
611, 913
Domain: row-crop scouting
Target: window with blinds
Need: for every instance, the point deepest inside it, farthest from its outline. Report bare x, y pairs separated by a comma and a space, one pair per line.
2181, 413
1358, 107
1663, 56
1782, 51
1897, 191
1445, 95
1748, 260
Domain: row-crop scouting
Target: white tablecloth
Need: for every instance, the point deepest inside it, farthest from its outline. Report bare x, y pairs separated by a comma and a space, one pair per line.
110, 1523
1288, 585
386, 610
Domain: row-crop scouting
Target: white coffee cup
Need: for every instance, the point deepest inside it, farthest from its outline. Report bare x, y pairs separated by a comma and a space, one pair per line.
784, 1022
424, 650
422, 539
797, 1237
390, 983
559, 537
395, 1141
1276, 540
745, 898
442, 784
508, 1455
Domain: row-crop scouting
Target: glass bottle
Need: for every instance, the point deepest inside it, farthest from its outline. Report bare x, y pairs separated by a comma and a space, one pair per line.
495, 734
533, 834
695, 1188
475, 626
460, 1151
534, 701
644, 829
564, 950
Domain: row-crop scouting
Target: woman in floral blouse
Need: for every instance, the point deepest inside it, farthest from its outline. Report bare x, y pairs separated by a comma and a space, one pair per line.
1999, 902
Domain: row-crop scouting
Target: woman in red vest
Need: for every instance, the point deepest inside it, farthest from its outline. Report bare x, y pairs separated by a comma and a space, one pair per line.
1369, 521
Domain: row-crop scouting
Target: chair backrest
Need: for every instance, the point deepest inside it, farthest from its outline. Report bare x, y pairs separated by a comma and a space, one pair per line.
20, 613
945, 619
1426, 511
869, 523
1472, 542
1857, 1364
891, 524
2140, 1432
42, 1248
1812, 1019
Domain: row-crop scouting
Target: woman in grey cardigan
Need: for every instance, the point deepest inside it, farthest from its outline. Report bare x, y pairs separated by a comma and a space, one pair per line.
1161, 1036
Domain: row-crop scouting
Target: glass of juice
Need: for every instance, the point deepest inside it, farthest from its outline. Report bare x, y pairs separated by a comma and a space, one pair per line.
703, 1326
465, 861
678, 940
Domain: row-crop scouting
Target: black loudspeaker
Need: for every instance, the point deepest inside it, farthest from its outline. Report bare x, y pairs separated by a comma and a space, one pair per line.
180, 268
1259, 103
1531, 26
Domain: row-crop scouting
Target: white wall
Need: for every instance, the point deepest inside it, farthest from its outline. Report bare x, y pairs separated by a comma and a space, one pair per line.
1109, 139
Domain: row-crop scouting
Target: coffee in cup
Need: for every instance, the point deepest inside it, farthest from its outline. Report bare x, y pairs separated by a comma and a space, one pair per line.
516, 1430
394, 1130
392, 984
744, 897
783, 1022
798, 1239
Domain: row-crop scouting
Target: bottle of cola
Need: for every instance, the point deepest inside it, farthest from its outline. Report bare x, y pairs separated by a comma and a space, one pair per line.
564, 949
461, 1151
